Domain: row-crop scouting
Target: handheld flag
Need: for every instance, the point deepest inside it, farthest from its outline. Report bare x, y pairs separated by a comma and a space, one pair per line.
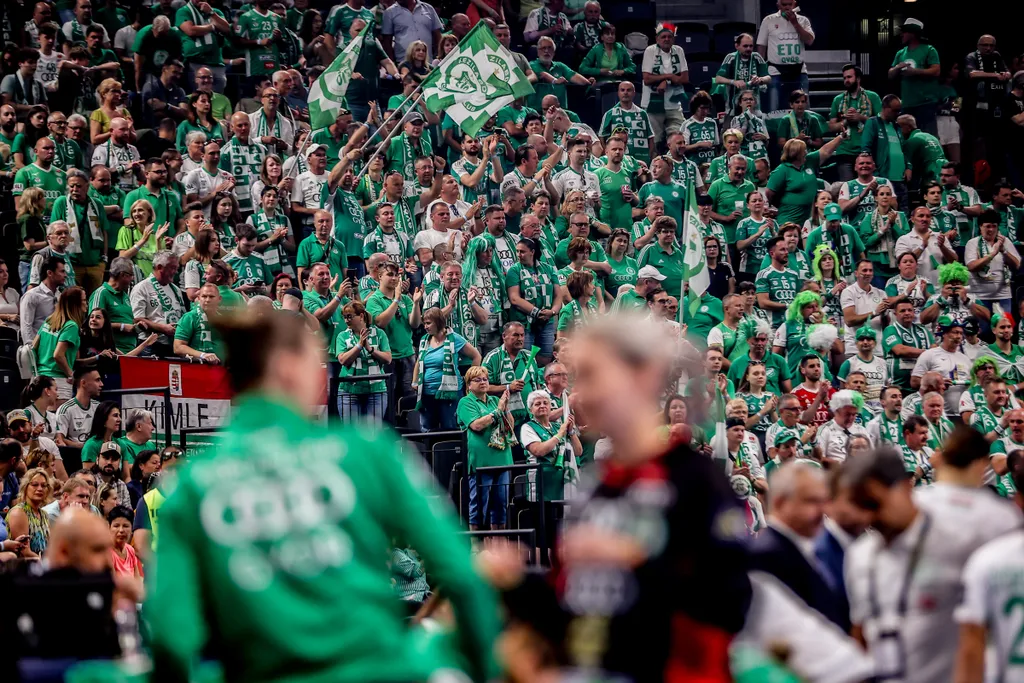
474, 81
327, 94
695, 266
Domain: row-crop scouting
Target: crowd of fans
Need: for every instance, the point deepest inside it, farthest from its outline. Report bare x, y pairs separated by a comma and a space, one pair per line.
160, 167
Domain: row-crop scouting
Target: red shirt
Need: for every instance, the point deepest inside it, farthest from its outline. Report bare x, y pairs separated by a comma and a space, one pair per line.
807, 397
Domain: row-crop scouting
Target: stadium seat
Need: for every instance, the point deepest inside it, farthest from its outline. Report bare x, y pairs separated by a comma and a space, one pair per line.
10, 386
443, 457
619, 13
723, 35
703, 67
693, 37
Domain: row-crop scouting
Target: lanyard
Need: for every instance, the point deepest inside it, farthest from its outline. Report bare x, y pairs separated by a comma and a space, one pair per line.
915, 558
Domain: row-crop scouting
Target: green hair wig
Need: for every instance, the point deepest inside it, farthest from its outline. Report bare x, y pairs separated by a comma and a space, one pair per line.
477, 246
820, 252
981, 361
954, 272
802, 299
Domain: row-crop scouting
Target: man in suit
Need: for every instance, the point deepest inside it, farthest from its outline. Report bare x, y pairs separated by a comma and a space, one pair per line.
844, 522
786, 548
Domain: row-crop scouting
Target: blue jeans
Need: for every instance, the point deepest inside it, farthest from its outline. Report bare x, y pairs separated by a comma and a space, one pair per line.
779, 90
24, 270
369, 406
488, 493
542, 335
437, 415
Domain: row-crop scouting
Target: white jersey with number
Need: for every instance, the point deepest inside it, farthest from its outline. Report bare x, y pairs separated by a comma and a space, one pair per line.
993, 596
74, 421
200, 183
46, 72
783, 41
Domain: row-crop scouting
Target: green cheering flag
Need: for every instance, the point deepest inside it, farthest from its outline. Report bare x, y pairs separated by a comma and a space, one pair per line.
327, 94
695, 266
476, 80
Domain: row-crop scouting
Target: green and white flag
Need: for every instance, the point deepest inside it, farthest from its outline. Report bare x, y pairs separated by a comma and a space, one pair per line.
476, 80
327, 94
695, 266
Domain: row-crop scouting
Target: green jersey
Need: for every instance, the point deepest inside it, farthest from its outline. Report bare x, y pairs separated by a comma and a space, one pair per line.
781, 287
686, 173
925, 156
845, 242
897, 286
48, 340
538, 285
1004, 446
918, 90
350, 225
364, 364
916, 337
796, 261
398, 330
615, 211
719, 167
260, 60
695, 131
463, 168
166, 207
118, 308
984, 420
967, 196
754, 405
795, 189
672, 193
313, 302
855, 188
318, 569
68, 155
866, 103
91, 220
274, 256
669, 263
1009, 364
396, 245
623, 272
204, 49
251, 269
756, 251
883, 430
311, 251
340, 20
708, 314
638, 127
728, 197
780, 428
774, 365
52, 182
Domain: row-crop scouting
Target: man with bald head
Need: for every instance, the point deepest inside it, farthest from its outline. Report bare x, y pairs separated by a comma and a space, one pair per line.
120, 156
79, 540
242, 158
930, 381
43, 174
221, 104
988, 74
785, 549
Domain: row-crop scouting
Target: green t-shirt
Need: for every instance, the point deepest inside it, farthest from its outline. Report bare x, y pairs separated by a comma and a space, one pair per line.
118, 307
795, 189
313, 302
195, 330
781, 287
637, 123
729, 197
668, 264
205, 49
166, 206
899, 369
776, 369
340, 20
867, 103
364, 363
558, 70
48, 340
673, 194
719, 167
537, 285
615, 211
398, 330
918, 90
848, 249
333, 253
708, 314
480, 454
91, 248
260, 60
53, 183
350, 225
624, 272
756, 251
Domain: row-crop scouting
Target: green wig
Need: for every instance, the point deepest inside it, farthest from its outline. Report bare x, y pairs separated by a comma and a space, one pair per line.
477, 246
820, 252
802, 299
982, 361
954, 272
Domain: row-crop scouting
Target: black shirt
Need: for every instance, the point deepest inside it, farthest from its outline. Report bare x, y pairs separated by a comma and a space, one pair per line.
1014, 105
720, 276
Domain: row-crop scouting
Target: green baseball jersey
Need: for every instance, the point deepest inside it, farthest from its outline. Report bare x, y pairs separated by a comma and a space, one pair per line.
781, 287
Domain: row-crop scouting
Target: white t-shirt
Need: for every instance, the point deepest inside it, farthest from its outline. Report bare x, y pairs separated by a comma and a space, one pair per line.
862, 302
124, 39
990, 515
309, 191
146, 303
47, 70
113, 157
428, 239
783, 41
834, 441
567, 180
505, 250
930, 259
74, 422
995, 282
956, 366
656, 61
200, 183
993, 596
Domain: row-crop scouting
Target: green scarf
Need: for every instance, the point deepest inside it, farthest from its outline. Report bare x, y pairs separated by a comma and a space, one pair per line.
92, 218
794, 125
862, 103
449, 388
476, 246
887, 243
461, 318
199, 19
407, 162
165, 301
537, 286
983, 251
507, 375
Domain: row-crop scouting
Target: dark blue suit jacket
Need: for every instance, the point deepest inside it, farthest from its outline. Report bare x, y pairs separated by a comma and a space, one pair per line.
775, 554
831, 554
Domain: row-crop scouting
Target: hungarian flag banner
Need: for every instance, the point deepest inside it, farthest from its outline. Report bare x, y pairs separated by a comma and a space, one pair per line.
474, 81
327, 94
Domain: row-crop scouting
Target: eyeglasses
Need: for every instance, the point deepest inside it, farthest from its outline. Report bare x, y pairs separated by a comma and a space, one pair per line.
348, 317
204, 78
580, 224
170, 455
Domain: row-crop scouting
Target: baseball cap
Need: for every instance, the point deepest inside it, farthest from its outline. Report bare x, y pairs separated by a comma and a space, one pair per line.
865, 332
704, 200
646, 273
786, 437
19, 414
314, 148
110, 447
946, 322
971, 327
911, 25
414, 117
833, 212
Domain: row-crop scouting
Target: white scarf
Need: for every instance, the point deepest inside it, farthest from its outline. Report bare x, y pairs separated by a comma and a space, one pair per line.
91, 218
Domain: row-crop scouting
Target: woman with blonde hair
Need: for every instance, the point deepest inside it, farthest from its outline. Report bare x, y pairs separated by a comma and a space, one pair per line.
110, 92
817, 217
732, 142
793, 184
207, 248
31, 205
26, 516
415, 62
138, 240
574, 201
272, 174
57, 344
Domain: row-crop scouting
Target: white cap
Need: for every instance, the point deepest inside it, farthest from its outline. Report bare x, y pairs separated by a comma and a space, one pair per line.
314, 147
649, 273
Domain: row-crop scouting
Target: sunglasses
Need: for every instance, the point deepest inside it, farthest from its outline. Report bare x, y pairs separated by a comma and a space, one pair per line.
170, 455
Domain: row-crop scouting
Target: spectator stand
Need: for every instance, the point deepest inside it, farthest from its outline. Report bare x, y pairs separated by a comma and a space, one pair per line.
10, 377
522, 513
165, 409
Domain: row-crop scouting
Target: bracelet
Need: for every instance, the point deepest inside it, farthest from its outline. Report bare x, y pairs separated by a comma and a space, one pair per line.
999, 430
532, 315
202, 356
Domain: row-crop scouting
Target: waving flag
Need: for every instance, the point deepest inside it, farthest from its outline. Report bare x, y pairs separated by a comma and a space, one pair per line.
695, 267
327, 94
477, 79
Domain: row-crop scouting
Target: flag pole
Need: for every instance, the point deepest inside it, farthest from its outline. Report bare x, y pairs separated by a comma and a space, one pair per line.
398, 127
372, 135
